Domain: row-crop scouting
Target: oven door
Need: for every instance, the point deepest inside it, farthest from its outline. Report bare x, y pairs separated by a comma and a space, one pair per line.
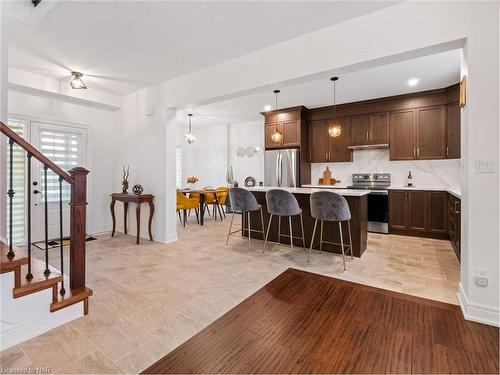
378, 212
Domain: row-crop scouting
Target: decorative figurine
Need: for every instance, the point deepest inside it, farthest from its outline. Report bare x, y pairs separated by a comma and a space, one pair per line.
125, 180
137, 189
229, 176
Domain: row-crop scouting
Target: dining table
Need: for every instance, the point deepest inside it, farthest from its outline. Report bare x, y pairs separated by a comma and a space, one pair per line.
203, 193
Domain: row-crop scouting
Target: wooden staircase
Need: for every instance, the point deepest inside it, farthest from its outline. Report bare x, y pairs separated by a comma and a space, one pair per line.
40, 281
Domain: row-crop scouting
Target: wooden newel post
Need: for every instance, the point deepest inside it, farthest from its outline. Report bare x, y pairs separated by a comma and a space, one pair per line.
78, 226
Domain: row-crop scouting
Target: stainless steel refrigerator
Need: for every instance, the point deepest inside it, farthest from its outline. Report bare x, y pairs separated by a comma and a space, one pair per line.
282, 168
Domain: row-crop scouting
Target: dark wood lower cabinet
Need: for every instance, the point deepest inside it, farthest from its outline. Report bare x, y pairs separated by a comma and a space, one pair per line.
454, 223
423, 213
419, 213
437, 207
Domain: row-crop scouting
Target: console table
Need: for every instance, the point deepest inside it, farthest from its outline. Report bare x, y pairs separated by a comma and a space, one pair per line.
138, 200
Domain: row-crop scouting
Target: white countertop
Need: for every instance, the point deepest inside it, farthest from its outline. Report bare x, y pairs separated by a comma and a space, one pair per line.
308, 190
454, 192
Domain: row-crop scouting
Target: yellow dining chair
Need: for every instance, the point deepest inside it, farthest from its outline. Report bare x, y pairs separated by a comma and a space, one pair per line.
210, 201
184, 203
222, 193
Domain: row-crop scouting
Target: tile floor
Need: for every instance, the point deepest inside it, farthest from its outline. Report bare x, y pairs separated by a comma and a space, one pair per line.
150, 298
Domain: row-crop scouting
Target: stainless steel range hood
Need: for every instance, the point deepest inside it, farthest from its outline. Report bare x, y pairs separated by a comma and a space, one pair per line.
369, 147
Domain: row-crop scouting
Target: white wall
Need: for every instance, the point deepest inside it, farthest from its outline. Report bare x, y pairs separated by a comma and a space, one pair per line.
426, 173
100, 127
215, 150
144, 140
245, 135
206, 158
402, 31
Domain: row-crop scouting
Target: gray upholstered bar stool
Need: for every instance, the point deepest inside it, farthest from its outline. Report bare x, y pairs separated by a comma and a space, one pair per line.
330, 206
283, 203
244, 202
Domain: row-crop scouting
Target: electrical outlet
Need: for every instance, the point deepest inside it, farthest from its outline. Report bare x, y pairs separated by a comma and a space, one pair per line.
482, 277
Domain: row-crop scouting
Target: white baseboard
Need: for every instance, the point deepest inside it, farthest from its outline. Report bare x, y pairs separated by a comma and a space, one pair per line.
477, 312
157, 237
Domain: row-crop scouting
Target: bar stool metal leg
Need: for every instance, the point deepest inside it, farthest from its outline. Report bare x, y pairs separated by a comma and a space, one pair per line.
249, 231
312, 240
267, 232
342, 243
302, 228
291, 233
230, 226
262, 223
279, 229
321, 237
350, 237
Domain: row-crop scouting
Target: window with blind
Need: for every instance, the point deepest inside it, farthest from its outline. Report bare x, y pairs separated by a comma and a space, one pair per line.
178, 167
18, 183
62, 148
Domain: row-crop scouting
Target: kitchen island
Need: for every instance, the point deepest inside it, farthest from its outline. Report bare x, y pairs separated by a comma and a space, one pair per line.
357, 200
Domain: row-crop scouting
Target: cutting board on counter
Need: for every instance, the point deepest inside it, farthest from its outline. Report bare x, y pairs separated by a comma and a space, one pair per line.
327, 178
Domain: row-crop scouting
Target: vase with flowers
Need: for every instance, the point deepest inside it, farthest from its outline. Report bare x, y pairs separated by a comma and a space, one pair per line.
192, 180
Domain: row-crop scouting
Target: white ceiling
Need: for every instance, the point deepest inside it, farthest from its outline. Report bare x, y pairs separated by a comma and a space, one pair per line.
433, 71
122, 46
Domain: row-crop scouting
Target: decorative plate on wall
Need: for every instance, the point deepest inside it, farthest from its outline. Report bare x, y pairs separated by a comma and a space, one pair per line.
240, 151
249, 181
250, 151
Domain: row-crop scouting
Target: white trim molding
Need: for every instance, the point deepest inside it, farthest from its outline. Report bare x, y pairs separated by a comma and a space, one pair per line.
477, 312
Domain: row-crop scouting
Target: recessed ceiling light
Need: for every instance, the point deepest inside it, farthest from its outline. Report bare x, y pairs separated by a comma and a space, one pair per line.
413, 81
267, 107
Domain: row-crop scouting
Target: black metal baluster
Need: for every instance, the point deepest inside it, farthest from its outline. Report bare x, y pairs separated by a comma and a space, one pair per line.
62, 291
10, 193
47, 271
29, 276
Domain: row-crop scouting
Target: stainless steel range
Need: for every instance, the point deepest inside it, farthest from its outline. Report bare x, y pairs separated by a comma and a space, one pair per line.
378, 198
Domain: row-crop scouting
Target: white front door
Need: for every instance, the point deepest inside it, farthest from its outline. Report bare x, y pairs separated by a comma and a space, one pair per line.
66, 147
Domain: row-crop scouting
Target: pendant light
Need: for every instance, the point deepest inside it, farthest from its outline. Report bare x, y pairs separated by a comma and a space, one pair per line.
190, 137
276, 135
77, 83
335, 128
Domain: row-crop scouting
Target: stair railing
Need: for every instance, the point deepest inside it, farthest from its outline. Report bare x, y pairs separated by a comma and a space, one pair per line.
77, 180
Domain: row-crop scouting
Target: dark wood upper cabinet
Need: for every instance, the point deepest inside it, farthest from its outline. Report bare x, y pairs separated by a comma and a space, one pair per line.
269, 129
402, 135
370, 129
431, 133
360, 130
291, 133
324, 148
453, 131
379, 128
339, 146
290, 122
319, 141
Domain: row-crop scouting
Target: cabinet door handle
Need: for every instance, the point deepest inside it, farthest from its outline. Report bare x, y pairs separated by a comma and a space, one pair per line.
418, 152
414, 152
447, 151
367, 136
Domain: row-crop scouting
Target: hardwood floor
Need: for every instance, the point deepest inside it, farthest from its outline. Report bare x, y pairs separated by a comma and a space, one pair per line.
307, 323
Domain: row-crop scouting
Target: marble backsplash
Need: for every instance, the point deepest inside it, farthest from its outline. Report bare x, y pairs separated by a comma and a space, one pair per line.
426, 173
